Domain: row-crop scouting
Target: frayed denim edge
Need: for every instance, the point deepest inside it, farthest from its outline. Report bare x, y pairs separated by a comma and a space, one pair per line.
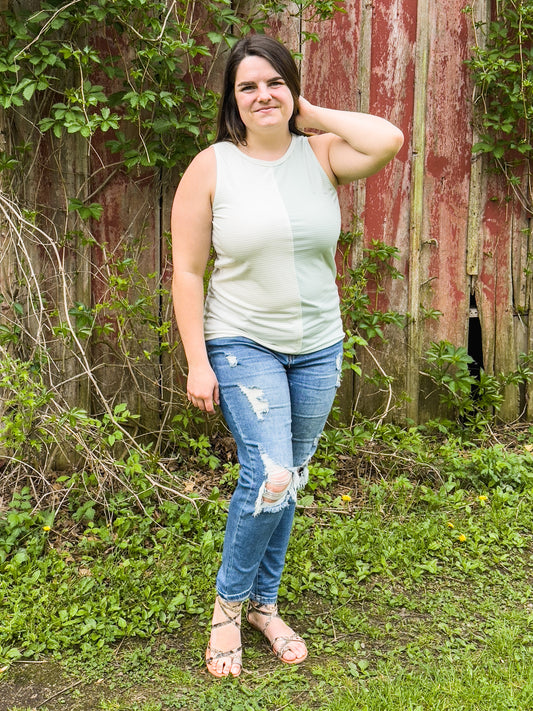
300, 477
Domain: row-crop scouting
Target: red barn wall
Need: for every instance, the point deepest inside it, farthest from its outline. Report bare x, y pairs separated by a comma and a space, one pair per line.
405, 60
458, 234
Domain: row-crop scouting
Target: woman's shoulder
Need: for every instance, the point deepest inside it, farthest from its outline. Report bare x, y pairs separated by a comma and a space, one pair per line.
201, 172
204, 159
203, 164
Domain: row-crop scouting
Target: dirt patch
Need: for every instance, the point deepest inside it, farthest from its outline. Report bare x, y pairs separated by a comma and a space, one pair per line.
44, 685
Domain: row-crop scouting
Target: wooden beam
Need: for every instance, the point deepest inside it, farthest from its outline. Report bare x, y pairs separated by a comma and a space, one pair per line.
417, 206
480, 14
363, 105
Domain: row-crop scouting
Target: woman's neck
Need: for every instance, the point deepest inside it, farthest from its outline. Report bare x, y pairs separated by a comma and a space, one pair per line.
266, 147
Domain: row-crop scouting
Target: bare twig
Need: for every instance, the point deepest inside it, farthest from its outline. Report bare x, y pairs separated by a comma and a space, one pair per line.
59, 693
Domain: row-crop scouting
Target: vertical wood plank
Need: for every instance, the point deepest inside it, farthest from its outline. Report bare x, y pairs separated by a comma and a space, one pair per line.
480, 16
126, 362
445, 285
363, 105
331, 77
529, 304
417, 207
388, 199
330, 74
529, 316
495, 290
172, 362
72, 165
125, 279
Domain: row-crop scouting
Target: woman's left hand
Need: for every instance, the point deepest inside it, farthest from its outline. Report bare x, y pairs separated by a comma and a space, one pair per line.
304, 117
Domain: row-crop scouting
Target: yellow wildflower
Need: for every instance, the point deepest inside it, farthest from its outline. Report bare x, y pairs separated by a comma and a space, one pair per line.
46, 528
450, 525
346, 497
482, 497
462, 538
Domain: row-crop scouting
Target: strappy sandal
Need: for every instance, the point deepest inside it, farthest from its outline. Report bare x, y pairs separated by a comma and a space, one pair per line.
232, 612
270, 612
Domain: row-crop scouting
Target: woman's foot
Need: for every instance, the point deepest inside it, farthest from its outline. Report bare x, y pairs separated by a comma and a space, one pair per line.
224, 652
285, 643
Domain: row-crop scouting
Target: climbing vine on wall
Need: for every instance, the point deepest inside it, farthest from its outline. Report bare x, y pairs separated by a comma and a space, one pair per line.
502, 69
155, 56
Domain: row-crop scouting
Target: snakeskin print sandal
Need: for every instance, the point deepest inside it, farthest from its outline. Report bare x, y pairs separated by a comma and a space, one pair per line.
280, 644
232, 612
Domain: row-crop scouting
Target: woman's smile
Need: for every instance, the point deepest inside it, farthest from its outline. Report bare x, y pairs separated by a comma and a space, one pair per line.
266, 110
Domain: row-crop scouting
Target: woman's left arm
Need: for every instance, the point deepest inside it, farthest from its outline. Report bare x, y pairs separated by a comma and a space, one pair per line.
353, 145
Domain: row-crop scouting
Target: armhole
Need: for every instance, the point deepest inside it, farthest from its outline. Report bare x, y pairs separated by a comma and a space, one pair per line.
332, 178
212, 149
217, 158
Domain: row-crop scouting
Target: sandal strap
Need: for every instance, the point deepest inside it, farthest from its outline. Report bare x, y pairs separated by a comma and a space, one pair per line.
268, 611
286, 644
215, 654
232, 611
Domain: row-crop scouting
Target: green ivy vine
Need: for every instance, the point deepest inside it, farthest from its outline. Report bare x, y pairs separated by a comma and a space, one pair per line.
502, 70
135, 70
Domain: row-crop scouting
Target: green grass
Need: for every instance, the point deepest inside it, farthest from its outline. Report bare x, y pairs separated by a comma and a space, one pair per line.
411, 596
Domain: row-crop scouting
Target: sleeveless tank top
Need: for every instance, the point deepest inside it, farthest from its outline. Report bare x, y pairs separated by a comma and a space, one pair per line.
275, 231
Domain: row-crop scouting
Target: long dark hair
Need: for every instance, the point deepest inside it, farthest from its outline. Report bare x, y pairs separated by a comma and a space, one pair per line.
230, 126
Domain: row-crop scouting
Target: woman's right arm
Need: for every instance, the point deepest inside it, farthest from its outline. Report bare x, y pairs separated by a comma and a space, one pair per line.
191, 242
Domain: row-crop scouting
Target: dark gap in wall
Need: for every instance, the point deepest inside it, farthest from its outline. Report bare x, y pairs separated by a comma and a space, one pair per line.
475, 344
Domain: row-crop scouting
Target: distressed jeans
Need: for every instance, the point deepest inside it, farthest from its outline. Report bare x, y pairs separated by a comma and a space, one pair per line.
276, 406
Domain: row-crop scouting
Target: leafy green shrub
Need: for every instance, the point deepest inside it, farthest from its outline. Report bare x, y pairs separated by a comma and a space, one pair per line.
359, 314
474, 401
126, 573
23, 396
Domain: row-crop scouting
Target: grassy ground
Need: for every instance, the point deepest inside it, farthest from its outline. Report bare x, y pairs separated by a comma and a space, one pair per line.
410, 596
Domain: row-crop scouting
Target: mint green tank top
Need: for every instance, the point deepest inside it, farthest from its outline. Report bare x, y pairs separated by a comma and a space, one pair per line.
275, 231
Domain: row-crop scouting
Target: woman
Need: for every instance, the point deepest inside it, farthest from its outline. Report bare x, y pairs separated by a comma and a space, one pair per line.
268, 345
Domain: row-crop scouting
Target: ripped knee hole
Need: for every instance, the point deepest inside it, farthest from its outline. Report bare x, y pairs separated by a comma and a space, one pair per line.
276, 486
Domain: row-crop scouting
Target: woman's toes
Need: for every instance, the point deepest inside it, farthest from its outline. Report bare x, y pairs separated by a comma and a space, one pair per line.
295, 651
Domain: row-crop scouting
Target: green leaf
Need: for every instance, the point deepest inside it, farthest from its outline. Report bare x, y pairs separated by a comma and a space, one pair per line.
29, 90
215, 37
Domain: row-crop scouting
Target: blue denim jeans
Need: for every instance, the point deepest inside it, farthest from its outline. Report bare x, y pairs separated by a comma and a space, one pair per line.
276, 406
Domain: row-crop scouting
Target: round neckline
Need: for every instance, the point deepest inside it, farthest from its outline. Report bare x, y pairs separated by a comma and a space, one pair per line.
261, 161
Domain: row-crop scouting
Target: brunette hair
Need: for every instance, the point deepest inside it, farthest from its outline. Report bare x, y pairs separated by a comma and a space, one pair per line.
230, 126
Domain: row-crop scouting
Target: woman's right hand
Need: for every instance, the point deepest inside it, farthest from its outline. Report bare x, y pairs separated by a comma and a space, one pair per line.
202, 388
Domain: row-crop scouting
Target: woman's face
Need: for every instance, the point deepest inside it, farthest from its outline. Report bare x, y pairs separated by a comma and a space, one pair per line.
263, 98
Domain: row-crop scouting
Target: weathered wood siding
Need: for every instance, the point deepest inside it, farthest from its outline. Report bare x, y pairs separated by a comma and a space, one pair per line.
459, 235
